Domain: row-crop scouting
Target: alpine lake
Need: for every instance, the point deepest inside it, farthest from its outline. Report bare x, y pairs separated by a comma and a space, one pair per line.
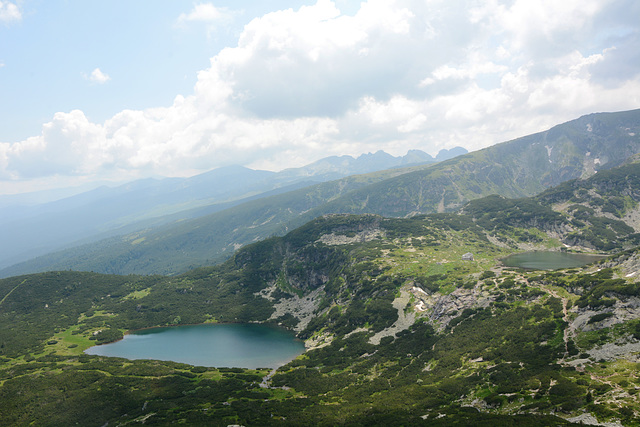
548, 260
265, 346
213, 345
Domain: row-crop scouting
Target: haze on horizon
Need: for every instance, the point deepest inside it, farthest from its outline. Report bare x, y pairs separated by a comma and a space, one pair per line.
121, 90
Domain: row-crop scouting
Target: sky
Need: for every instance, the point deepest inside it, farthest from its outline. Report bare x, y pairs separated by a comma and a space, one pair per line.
112, 91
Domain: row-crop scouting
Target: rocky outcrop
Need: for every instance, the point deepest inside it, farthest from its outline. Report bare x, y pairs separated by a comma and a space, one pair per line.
406, 318
440, 309
622, 311
627, 263
302, 308
360, 237
618, 350
590, 420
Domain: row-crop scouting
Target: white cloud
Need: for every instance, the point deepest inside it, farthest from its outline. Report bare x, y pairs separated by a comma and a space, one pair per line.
317, 62
397, 75
68, 145
472, 68
204, 12
9, 12
529, 25
97, 76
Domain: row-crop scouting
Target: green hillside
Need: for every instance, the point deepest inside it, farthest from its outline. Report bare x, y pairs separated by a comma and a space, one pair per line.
518, 168
208, 240
30, 231
400, 329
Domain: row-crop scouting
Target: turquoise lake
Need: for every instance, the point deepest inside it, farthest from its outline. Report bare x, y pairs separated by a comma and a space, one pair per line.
219, 345
543, 260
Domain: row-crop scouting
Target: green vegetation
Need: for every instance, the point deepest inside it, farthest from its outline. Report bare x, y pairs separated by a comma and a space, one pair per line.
520, 168
412, 332
483, 364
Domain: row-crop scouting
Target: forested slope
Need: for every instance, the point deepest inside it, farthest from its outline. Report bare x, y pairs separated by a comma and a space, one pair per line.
518, 168
400, 328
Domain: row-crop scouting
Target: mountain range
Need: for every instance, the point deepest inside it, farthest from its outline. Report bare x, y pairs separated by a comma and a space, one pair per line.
518, 168
28, 230
410, 319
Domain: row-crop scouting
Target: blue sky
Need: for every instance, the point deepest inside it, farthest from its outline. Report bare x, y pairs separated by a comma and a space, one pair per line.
109, 91
149, 55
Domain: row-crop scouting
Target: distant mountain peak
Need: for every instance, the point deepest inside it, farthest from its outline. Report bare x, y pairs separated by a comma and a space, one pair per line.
445, 154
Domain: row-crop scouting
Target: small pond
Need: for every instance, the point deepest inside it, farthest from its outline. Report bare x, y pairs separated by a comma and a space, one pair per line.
547, 260
219, 345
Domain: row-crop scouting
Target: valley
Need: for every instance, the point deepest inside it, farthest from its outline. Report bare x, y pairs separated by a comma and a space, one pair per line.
321, 213
407, 312
523, 167
398, 327
125, 210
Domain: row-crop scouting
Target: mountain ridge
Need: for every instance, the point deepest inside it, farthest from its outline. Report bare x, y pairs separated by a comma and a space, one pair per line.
521, 167
400, 327
34, 230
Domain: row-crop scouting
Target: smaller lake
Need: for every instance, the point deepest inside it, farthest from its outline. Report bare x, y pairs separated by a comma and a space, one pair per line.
546, 260
218, 345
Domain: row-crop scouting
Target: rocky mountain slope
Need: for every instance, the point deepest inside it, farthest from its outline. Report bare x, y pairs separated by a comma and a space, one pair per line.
402, 326
207, 240
518, 168
30, 230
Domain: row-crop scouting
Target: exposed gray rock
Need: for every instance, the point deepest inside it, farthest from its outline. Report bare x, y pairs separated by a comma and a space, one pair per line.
360, 237
615, 351
301, 308
590, 420
622, 311
629, 265
442, 308
405, 318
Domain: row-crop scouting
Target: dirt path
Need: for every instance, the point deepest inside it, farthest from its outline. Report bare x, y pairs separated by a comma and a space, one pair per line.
568, 331
9, 293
